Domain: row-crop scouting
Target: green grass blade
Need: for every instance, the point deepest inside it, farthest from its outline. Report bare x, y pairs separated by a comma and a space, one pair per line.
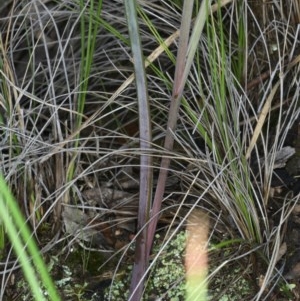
195, 37
21, 238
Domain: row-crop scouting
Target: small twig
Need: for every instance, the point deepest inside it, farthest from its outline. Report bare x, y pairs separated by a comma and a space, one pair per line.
258, 80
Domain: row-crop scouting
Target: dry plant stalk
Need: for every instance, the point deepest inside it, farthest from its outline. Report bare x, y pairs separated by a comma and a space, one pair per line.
196, 258
261, 120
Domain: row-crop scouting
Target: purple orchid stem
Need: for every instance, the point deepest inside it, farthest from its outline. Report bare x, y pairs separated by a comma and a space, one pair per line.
146, 169
179, 84
147, 226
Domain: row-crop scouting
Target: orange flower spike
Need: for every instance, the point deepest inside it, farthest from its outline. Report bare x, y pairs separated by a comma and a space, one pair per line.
196, 257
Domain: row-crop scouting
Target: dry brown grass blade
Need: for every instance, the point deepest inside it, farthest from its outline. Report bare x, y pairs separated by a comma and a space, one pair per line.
294, 62
266, 109
222, 3
59, 181
261, 120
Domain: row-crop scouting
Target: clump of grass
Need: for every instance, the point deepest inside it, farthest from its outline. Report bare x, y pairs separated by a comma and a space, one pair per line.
239, 99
